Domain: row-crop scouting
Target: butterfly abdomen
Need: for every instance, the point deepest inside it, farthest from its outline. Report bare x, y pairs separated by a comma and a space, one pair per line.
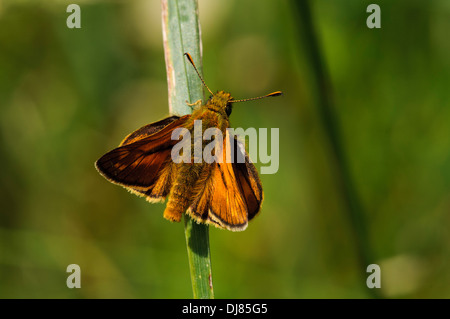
181, 194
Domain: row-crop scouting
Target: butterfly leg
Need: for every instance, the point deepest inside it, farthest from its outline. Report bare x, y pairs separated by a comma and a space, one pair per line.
197, 103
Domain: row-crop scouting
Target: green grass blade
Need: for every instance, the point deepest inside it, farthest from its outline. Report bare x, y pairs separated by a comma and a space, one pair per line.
322, 84
181, 33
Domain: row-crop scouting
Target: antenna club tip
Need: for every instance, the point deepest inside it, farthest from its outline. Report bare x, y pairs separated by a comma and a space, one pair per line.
277, 93
189, 57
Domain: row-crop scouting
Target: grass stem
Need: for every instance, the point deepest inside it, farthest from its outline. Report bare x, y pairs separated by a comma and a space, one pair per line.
181, 33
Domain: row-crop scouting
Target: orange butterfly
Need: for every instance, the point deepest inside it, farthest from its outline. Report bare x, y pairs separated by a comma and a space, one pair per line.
226, 194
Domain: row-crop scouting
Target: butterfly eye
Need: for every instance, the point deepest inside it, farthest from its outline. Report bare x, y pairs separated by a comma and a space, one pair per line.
228, 108
210, 97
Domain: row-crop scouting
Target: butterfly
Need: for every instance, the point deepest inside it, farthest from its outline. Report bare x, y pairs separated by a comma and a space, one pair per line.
225, 193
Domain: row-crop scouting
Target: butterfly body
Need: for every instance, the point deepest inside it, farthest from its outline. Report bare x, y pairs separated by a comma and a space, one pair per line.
214, 114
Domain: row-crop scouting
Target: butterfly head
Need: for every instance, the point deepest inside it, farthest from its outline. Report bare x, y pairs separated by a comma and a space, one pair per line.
222, 100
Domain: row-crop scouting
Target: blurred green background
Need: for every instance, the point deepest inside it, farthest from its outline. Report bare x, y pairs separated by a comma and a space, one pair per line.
67, 96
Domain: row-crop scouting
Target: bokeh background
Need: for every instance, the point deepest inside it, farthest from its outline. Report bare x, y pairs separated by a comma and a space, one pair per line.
67, 96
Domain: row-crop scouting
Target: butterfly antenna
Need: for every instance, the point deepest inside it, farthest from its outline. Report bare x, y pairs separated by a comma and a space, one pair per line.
277, 93
198, 73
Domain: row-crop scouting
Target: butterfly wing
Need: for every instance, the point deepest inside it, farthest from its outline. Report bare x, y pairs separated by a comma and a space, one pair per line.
142, 163
249, 182
228, 194
148, 130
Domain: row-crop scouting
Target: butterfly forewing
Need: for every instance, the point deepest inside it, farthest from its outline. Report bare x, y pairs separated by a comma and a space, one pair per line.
227, 195
248, 178
143, 160
152, 128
